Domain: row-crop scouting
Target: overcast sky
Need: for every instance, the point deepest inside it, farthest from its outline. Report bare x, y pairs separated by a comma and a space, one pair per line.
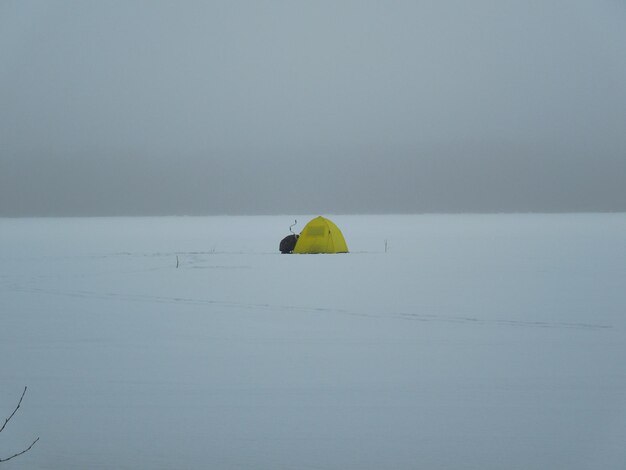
129, 107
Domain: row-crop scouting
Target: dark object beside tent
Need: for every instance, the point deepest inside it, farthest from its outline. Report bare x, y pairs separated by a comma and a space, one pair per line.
288, 243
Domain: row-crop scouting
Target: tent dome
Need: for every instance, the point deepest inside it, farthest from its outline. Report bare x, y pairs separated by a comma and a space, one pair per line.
321, 235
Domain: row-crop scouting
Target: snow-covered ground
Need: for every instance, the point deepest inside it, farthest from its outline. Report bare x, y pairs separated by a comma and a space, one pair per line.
474, 342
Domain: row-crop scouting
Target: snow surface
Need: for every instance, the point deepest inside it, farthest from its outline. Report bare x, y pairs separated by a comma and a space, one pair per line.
475, 342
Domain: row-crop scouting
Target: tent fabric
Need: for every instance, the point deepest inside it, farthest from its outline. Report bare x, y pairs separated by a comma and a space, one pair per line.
321, 235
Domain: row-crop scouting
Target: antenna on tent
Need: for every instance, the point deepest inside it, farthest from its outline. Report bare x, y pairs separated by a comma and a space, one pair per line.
294, 223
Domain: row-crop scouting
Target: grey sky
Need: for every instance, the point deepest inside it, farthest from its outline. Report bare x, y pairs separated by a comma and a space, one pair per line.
128, 107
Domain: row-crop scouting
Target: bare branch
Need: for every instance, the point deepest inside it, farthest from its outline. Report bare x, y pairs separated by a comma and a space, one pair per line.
20, 453
19, 403
14, 411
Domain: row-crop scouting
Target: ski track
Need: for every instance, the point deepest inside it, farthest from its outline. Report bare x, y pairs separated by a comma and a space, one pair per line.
420, 317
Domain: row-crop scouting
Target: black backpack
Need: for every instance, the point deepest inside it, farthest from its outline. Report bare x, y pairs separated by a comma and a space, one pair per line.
288, 243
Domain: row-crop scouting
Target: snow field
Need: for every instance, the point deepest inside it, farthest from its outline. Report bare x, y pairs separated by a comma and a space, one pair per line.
475, 341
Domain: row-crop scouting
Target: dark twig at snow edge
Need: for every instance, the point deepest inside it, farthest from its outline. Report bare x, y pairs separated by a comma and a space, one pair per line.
19, 403
20, 453
14, 411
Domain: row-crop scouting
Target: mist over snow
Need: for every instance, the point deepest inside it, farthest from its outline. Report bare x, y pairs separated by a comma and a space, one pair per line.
279, 107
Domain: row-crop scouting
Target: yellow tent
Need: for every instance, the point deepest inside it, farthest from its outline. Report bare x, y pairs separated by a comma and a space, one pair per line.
320, 235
